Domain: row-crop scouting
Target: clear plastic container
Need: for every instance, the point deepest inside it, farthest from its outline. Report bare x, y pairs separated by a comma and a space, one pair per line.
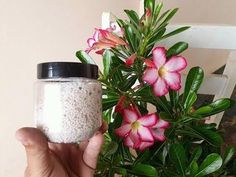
68, 106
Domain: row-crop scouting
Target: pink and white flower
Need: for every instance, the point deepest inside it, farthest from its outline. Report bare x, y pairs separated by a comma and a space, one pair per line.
136, 128
163, 74
103, 39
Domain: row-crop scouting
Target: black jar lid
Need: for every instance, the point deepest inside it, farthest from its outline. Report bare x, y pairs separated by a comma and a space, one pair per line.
51, 70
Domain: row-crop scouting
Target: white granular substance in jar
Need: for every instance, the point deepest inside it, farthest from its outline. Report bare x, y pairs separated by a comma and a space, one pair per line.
68, 111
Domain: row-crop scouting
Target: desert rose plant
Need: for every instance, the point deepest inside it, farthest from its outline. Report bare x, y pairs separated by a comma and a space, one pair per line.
173, 140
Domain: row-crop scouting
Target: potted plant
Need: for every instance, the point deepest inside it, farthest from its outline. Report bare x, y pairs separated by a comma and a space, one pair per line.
173, 140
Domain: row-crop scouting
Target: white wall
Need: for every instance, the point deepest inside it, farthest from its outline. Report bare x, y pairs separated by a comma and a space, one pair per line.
210, 12
52, 30
31, 32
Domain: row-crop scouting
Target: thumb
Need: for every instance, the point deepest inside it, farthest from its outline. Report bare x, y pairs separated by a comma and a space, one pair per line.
92, 150
37, 151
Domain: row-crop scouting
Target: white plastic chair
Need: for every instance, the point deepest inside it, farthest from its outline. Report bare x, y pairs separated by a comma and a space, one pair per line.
206, 37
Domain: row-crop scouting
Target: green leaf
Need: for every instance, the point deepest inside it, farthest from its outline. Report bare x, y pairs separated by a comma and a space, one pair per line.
121, 171
215, 107
108, 103
171, 13
84, 57
174, 97
155, 37
145, 170
193, 168
133, 16
210, 136
130, 37
196, 154
177, 49
157, 11
106, 62
150, 4
178, 156
192, 84
128, 83
111, 148
177, 31
229, 152
211, 164
191, 99
142, 157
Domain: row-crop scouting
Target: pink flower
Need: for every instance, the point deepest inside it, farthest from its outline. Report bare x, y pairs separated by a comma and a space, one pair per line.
163, 74
136, 129
103, 39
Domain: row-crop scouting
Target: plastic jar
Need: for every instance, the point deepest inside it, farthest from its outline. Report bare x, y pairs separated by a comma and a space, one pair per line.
68, 106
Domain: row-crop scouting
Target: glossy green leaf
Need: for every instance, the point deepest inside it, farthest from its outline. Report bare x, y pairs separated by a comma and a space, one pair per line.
210, 136
169, 16
144, 170
174, 97
190, 100
196, 154
84, 57
157, 11
215, 107
177, 31
178, 157
192, 84
177, 49
193, 168
106, 62
210, 164
133, 16
108, 103
129, 34
229, 152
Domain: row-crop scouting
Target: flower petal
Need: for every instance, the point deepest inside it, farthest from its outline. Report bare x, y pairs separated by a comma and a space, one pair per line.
150, 75
123, 130
159, 56
134, 136
160, 88
130, 116
148, 120
176, 63
149, 63
102, 45
128, 142
158, 134
129, 61
96, 35
144, 145
173, 80
161, 124
145, 134
90, 42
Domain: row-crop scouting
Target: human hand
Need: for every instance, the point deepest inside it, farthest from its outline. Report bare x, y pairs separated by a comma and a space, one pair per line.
46, 159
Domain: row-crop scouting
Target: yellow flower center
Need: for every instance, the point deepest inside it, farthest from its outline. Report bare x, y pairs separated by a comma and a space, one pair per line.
162, 71
135, 125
